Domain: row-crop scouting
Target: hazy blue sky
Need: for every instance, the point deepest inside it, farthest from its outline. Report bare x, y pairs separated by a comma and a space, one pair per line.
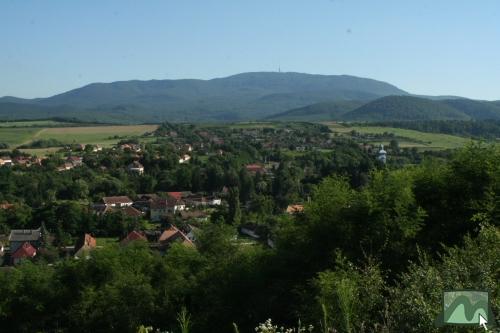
422, 46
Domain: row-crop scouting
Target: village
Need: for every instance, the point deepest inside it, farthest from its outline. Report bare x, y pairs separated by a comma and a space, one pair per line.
160, 218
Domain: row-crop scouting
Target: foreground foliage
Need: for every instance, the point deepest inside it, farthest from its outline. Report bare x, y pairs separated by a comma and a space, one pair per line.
374, 258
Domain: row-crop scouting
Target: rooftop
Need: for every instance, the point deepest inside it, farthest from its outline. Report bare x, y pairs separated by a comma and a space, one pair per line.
25, 251
25, 235
116, 200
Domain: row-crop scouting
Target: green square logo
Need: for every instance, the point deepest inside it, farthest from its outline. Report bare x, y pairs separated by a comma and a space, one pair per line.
464, 307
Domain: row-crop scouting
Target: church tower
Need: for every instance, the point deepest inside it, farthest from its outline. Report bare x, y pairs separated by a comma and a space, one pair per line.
382, 154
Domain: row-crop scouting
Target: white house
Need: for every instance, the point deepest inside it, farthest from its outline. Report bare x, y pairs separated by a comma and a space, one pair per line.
184, 159
5, 160
162, 207
136, 167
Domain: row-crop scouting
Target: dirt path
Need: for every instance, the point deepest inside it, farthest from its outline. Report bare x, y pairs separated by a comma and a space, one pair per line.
37, 134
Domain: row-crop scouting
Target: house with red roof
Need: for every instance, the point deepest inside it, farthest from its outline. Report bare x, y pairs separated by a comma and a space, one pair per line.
118, 201
75, 160
255, 168
84, 245
25, 251
173, 235
128, 211
132, 237
295, 209
132, 212
175, 195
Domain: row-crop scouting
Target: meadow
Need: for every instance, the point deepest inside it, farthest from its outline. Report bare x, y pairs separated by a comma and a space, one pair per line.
16, 136
406, 138
104, 136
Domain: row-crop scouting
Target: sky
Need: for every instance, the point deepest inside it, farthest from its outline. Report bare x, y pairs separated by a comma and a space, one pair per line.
431, 47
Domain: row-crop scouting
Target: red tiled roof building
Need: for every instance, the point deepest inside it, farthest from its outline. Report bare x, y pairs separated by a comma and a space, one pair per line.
133, 236
23, 252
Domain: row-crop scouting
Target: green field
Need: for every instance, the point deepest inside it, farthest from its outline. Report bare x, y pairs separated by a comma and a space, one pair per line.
102, 135
405, 137
93, 134
16, 136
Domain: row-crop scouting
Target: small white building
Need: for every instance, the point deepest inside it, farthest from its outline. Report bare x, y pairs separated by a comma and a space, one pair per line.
136, 167
5, 161
184, 159
162, 207
214, 201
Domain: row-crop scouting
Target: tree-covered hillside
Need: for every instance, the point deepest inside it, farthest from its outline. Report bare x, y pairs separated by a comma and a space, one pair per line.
480, 129
318, 112
478, 110
395, 108
242, 96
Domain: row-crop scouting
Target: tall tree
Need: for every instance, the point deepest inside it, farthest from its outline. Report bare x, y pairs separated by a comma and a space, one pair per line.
234, 209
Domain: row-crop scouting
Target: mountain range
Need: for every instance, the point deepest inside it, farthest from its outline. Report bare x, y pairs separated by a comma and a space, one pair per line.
246, 96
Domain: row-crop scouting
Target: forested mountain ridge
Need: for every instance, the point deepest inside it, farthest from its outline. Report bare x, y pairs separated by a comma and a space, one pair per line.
404, 108
318, 111
395, 108
479, 110
247, 96
242, 96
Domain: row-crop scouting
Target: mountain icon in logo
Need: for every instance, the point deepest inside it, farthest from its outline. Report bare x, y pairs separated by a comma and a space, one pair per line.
462, 311
465, 307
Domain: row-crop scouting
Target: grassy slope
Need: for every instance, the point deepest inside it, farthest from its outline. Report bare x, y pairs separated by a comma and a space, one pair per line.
17, 136
101, 135
95, 135
424, 140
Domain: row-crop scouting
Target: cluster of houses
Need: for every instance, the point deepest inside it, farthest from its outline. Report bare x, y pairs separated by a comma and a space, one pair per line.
162, 240
156, 207
19, 160
71, 162
134, 147
27, 244
271, 138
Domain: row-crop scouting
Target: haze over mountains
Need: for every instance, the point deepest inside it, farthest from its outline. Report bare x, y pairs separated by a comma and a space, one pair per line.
246, 96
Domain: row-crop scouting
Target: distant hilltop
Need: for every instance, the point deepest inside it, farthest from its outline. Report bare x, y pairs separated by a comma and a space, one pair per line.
246, 96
